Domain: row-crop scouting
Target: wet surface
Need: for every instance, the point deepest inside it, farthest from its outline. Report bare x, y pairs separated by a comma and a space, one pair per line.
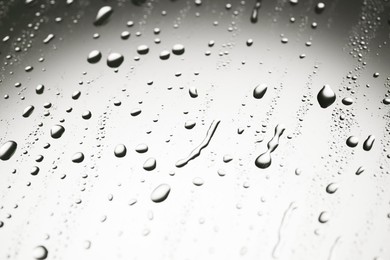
194, 129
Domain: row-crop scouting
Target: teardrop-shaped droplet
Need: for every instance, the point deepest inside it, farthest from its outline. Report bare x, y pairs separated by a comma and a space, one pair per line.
326, 96
7, 150
263, 160
259, 91
368, 143
160, 193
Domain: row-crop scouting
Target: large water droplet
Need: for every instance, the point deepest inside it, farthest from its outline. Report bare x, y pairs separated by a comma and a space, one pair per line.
120, 150
78, 157
141, 148
368, 143
352, 141
114, 60
193, 92
102, 15
259, 91
143, 49
57, 131
28, 111
40, 253
160, 193
323, 217
7, 150
178, 49
332, 188
326, 96
94, 56
150, 164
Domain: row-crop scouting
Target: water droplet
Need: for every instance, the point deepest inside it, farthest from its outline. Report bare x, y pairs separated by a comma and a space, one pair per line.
48, 38
326, 96
28, 111
164, 55
141, 148
368, 143
125, 35
360, 170
386, 101
34, 171
114, 60
193, 92
332, 188
94, 56
160, 193
78, 157
135, 112
189, 124
40, 253
255, 11
57, 131
259, 91
347, 101
120, 150
143, 49
39, 89
7, 150
324, 217
86, 115
352, 141
102, 15
150, 164
197, 181
178, 49
227, 158
264, 160
320, 7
